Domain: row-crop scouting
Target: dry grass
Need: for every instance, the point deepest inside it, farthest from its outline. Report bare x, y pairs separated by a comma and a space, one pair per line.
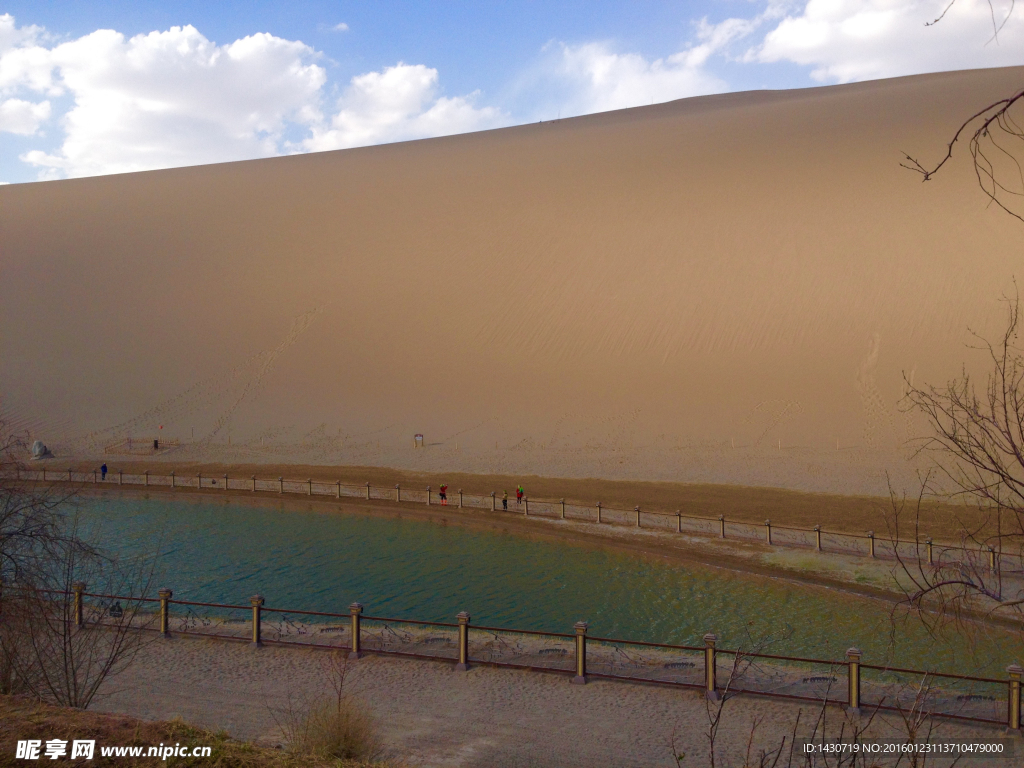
22, 718
336, 730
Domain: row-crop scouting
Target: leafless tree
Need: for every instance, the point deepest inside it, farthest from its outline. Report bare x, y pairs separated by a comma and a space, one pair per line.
32, 515
976, 445
994, 136
746, 663
916, 721
52, 655
44, 650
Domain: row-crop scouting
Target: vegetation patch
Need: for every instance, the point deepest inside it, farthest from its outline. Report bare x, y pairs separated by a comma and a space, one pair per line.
23, 718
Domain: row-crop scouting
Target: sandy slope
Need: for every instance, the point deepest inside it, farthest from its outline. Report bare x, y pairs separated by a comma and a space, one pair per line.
625, 295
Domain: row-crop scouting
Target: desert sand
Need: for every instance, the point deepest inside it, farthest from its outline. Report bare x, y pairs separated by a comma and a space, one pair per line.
724, 289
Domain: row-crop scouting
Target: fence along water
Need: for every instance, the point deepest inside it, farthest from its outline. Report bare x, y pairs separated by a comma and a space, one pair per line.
868, 545
849, 682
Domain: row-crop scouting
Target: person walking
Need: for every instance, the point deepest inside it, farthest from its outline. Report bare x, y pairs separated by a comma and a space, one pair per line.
504, 500
103, 472
519, 495
443, 493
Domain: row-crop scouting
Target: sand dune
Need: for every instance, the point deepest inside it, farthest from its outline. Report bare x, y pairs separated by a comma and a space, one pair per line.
717, 289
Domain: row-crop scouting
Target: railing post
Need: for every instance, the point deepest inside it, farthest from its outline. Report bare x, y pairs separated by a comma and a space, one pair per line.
526, 505
398, 492
172, 478
79, 589
463, 664
120, 476
711, 667
257, 607
1013, 703
225, 482
721, 524
817, 537
460, 498
200, 476
165, 597
991, 558
928, 543
367, 490
637, 510
280, 482
768, 531
493, 502
581, 653
853, 656
563, 509
309, 485
339, 488
871, 543
254, 483
428, 495
146, 473
355, 650
599, 511
70, 480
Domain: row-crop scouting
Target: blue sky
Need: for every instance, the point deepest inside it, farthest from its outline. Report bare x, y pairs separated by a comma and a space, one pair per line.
93, 88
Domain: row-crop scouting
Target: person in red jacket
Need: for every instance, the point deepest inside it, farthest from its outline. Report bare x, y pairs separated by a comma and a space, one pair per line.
443, 493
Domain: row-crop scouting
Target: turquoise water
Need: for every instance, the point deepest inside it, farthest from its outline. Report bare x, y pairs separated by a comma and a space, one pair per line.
224, 552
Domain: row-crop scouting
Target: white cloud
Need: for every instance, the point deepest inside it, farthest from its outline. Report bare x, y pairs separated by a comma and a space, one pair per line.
593, 77
23, 117
24, 63
13, 36
849, 40
398, 103
175, 98
103, 103
609, 80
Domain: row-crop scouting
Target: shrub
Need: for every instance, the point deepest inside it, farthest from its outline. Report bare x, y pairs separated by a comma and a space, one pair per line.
336, 729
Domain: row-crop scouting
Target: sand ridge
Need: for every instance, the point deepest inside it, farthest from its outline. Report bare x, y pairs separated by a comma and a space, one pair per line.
723, 289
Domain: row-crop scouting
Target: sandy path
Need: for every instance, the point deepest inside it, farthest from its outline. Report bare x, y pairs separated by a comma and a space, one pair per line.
434, 716
848, 514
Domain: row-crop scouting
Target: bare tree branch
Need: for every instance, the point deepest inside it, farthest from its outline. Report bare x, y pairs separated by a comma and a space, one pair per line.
977, 450
993, 134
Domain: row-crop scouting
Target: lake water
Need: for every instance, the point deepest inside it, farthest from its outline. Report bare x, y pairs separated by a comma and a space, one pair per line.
309, 560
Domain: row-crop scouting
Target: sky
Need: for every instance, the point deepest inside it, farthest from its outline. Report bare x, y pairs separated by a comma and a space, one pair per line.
96, 88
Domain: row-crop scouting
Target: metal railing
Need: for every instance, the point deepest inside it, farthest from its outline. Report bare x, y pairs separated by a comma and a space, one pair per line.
716, 671
816, 538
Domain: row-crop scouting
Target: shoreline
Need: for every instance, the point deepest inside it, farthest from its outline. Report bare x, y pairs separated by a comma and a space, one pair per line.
854, 575
733, 556
851, 515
